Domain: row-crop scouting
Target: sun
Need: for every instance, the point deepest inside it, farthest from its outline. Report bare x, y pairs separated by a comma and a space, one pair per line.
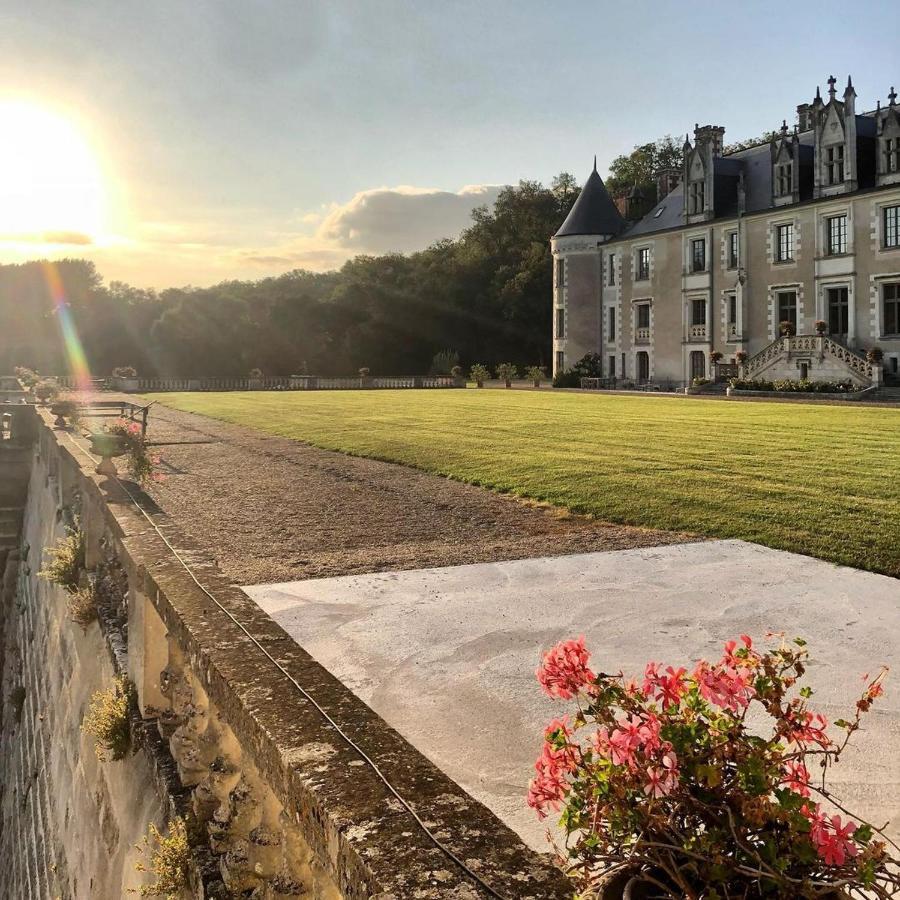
51, 183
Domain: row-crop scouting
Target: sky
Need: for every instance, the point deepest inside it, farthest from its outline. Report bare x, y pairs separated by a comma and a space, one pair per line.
189, 141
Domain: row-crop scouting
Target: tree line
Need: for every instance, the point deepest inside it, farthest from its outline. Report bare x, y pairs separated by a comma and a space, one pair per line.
482, 297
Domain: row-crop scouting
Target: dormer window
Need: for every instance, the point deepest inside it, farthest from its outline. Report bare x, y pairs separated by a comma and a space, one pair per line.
892, 154
834, 164
783, 179
698, 197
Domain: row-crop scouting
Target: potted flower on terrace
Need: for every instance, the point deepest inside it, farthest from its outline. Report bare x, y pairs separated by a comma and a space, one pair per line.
506, 372
479, 374
821, 326
787, 328
875, 355
667, 793
125, 438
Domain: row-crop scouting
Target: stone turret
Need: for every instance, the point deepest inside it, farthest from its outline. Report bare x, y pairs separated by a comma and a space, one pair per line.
578, 266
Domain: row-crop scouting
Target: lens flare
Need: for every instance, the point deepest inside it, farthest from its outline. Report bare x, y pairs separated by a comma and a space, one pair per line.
71, 342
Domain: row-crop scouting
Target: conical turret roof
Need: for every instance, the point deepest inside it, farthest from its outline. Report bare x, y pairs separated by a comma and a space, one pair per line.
593, 212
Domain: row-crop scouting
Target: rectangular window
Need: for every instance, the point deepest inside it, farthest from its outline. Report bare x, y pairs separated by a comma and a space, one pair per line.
838, 310
787, 307
643, 267
732, 309
612, 324
698, 255
837, 235
890, 297
560, 322
733, 250
643, 315
892, 154
560, 272
612, 367
783, 179
560, 358
891, 222
698, 197
784, 251
698, 311
612, 269
834, 164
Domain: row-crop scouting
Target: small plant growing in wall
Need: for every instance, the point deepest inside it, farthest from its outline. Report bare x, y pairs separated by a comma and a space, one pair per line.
479, 374
82, 605
506, 372
170, 859
141, 462
107, 720
66, 560
537, 374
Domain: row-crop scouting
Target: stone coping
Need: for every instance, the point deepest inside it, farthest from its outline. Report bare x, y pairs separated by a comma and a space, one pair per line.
371, 845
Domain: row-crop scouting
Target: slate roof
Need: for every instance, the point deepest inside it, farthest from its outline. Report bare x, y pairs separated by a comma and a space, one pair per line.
593, 212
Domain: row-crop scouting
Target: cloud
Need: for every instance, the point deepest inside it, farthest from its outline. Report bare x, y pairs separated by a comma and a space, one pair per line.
403, 218
48, 237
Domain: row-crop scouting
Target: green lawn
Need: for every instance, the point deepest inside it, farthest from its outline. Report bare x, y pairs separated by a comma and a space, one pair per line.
821, 480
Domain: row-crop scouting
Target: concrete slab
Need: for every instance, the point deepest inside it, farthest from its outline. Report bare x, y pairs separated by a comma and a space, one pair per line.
447, 656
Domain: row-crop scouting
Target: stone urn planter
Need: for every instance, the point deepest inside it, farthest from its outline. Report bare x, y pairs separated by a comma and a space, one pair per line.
107, 446
63, 409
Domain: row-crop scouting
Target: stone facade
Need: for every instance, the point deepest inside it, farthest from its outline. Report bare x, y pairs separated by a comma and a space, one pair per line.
806, 228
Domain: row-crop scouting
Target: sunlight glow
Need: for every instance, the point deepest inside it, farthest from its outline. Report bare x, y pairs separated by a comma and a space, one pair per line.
51, 183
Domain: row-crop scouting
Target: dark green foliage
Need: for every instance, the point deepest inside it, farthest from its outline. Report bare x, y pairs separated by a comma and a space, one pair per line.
486, 294
641, 165
589, 366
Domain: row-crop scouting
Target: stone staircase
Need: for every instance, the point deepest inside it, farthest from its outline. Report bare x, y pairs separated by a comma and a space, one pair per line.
825, 359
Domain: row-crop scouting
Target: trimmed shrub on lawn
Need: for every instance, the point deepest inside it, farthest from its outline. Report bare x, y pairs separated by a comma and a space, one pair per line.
506, 372
479, 374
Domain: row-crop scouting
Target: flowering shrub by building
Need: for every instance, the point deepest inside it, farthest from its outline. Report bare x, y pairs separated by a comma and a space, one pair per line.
664, 781
141, 462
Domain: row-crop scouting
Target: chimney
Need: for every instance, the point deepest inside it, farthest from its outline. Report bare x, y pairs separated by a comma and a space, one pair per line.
805, 117
711, 135
666, 182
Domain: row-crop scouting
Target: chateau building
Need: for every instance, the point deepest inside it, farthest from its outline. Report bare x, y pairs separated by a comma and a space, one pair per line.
804, 229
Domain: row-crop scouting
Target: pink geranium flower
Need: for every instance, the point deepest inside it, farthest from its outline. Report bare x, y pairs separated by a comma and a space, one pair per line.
564, 669
796, 777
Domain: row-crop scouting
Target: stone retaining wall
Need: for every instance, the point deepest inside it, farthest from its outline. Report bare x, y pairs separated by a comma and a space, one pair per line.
227, 728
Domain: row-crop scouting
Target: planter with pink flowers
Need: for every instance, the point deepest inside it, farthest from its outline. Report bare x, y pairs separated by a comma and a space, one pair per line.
666, 791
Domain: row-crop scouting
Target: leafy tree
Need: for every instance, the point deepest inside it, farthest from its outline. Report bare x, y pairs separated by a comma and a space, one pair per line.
641, 165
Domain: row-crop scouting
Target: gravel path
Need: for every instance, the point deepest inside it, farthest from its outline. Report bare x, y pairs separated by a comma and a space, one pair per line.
273, 509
